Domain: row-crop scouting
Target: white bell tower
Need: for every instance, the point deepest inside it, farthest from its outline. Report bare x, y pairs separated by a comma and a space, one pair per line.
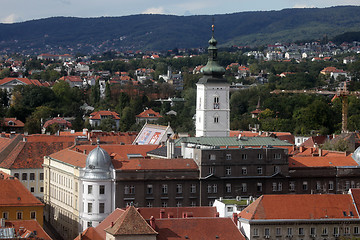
212, 98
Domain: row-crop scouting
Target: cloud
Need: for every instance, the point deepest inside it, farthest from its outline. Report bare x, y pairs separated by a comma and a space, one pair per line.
10, 19
159, 10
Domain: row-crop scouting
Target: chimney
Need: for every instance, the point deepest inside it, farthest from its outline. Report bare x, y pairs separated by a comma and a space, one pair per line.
320, 152
217, 214
152, 222
302, 149
170, 148
162, 213
235, 218
112, 224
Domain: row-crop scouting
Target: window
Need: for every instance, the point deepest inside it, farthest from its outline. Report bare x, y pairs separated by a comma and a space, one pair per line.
89, 189
243, 156
33, 215
32, 189
24, 176
267, 231
292, 186
260, 156
211, 202
164, 189
347, 185
211, 170
193, 203
347, 231
318, 185
353, 184
228, 170
89, 207
5, 215
274, 187
89, 224
212, 157
149, 189
301, 231
229, 209
259, 187
179, 204
178, 188
312, 231
32, 176
16, 175
244, 187
216, 119
215, 188
324, 231
149, 204
19, 215
259, 170
278, 231
244, 171
209, 188
102, 189
277, 156
216, 103
193, 188
132, 189
256, 232
228, 156
164, 204
356, 230
41, 176
289, 232
280, 186
101, 207
276, 169
41, 189
228, 187
305, 185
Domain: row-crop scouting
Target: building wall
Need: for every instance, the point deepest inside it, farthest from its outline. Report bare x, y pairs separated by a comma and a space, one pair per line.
318, 227
36, 184
26, 211
61, 196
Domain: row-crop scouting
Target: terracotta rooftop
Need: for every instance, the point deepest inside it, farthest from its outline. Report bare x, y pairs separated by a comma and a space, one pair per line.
24, 80
177, 212
301, 206
149, 113
14, 193
89, 234
315, 141
27, 227
13, 122
71, 157
97, 115
197, 228
130, 223
57, 120
326, 159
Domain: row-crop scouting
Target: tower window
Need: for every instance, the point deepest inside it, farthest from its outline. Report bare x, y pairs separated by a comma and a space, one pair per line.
216, 119
216, 103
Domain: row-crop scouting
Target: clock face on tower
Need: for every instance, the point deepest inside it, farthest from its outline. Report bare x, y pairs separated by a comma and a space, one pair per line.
216, 106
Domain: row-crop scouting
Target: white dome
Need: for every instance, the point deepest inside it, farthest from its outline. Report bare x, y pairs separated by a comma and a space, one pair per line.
356, 155
98, 164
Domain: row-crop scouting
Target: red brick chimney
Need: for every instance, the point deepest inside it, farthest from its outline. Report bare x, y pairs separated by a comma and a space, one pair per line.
235, 218
217, 214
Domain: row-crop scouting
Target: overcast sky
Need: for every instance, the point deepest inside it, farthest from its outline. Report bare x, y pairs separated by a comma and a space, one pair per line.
23, 10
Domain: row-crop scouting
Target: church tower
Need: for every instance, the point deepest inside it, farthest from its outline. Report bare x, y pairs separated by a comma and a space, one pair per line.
212, 98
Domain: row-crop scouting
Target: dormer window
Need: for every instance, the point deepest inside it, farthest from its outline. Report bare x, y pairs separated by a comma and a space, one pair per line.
11, 123
151, 115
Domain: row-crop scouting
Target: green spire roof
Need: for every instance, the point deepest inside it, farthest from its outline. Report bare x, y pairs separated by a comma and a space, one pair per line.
212, 67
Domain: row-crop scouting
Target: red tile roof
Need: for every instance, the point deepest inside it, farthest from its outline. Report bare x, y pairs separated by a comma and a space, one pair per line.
30, 154
13, 122
57, 120
120, 152
89, 234
24, 80
177, 212
71, 78
28, 226
14, 193
327, 159
97, 115
130, 223
149, 113
300, 206
197, 228
156, 164
107, 222
71, 157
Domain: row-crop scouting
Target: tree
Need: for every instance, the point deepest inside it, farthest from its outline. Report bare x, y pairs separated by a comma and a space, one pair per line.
127, 119
95, 93
108, 125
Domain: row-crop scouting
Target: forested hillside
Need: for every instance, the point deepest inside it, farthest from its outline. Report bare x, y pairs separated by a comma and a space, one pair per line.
162, 32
